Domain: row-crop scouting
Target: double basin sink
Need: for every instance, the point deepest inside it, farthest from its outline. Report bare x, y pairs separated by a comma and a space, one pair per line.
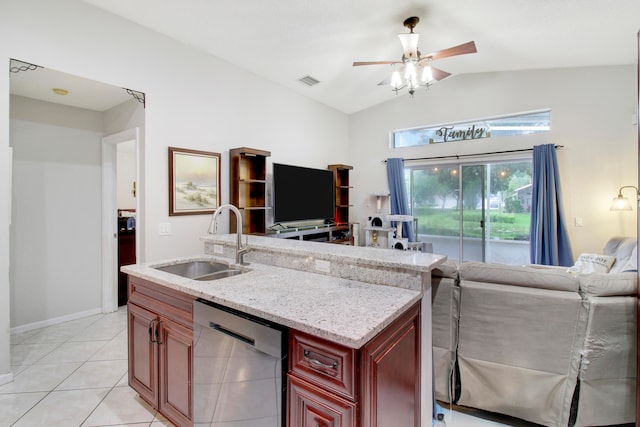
202, 270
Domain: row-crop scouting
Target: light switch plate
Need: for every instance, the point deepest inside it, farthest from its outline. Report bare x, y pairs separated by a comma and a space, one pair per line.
164, 229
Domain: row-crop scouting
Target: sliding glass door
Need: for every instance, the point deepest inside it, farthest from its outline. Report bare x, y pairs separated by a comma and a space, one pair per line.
474, 212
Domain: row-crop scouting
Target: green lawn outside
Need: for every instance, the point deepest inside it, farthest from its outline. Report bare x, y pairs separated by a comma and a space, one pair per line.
445, 222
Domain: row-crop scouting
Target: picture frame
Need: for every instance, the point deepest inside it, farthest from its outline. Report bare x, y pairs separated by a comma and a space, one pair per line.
194, 182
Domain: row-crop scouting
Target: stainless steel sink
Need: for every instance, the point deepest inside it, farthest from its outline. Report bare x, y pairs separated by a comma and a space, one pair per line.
201, 270
220, 274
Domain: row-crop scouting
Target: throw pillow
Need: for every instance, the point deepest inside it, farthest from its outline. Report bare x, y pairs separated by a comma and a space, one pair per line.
592, 263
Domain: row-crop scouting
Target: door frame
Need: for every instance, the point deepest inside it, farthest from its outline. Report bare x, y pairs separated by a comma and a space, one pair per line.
109, 214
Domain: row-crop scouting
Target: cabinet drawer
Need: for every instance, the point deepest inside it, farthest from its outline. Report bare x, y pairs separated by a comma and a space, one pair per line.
326, 364
166, 302
310, 406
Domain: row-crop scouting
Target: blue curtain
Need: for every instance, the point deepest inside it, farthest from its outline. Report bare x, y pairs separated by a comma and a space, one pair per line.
549, 241
398, 194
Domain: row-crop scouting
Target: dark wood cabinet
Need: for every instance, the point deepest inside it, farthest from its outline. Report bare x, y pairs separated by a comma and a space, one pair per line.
248, 184
143, 359
376, 385
161, 348
390, 369
175, 367
312, 406
126, 256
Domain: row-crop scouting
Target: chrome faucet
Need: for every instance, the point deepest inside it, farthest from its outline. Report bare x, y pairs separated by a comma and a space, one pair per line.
213, 229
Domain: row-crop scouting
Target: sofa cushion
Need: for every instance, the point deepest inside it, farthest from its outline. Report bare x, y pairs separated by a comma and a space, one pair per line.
623, 249
632, 263
608, 284
515, 275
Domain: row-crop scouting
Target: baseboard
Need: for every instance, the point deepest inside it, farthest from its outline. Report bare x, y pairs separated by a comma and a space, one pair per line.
54, 321
6, 378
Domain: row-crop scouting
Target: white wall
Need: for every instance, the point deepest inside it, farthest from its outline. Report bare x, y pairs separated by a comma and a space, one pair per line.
55, 233
592, 110
193, 101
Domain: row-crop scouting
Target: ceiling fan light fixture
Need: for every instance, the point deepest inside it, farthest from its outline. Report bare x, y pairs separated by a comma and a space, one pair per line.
410, 71
427, 74
410, 44
413, 72
396, 80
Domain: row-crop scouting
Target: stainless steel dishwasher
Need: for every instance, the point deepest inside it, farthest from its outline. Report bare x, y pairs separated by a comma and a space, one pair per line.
239, 368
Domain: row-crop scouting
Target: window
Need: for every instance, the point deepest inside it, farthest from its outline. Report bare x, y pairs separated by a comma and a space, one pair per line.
516, 124
474, 211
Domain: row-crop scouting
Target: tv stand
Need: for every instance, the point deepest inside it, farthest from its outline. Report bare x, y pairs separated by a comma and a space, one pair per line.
328, 233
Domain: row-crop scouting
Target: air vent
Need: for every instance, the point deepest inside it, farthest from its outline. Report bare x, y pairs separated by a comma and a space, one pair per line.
308, 81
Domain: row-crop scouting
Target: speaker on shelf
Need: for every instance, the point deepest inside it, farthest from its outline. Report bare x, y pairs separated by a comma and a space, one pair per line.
401, 244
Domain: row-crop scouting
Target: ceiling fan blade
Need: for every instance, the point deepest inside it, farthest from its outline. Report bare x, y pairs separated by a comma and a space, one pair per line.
438, 74
355, 64
469, 47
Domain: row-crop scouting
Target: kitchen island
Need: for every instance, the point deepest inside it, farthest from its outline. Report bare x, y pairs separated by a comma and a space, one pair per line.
340, 294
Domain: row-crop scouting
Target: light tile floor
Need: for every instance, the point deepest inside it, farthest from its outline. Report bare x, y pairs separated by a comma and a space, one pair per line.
75, 375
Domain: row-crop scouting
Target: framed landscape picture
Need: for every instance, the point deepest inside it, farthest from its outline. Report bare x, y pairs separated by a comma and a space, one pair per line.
194, 182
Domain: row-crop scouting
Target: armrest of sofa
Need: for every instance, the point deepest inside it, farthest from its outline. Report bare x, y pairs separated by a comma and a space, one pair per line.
446, 269
608, 284
517, 275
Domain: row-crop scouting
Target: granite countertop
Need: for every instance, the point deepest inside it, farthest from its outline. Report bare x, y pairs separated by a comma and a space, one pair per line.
346, 305
361, 255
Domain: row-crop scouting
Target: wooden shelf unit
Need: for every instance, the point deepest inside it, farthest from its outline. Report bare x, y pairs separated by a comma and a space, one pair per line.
341, 182
248, 184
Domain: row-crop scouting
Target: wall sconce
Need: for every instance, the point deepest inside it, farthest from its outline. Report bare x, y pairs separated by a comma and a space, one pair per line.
621, 203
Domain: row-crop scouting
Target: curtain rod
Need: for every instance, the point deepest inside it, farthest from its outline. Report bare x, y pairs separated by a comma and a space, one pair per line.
457, 156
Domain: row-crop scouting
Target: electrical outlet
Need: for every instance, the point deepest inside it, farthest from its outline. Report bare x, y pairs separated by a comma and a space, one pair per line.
218, 249
323, 266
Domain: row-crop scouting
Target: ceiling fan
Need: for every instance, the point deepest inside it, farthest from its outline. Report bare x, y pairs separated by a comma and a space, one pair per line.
415, 66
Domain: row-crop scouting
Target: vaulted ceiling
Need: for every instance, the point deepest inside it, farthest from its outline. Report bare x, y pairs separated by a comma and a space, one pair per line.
285, 40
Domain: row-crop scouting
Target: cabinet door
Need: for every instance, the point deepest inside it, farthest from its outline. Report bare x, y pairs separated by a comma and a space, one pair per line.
311, 406
143, 357
175, 345
391, 374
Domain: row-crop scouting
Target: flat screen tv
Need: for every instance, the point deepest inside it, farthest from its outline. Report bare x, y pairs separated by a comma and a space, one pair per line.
302, 194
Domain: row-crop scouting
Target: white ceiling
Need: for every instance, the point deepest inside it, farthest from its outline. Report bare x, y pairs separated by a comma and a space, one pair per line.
38, 83
285, 40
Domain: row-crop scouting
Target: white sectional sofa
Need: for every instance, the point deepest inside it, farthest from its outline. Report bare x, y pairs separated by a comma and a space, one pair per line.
538, 343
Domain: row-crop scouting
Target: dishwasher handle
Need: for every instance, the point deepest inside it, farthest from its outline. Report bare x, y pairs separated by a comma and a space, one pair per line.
232, 334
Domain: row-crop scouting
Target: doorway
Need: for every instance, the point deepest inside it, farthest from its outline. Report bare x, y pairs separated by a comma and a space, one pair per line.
57, 194
474, 211
120, 213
